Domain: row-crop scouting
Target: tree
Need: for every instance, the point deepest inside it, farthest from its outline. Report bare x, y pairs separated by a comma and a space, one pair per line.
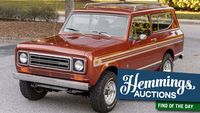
69, 6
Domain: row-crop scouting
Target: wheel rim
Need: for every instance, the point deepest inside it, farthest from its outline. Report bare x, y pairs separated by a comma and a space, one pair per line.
167, 67
110, 92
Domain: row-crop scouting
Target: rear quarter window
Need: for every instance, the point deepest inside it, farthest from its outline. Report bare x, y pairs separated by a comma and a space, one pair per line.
161, 21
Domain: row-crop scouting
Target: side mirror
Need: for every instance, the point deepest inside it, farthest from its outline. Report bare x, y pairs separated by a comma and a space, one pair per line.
142, 36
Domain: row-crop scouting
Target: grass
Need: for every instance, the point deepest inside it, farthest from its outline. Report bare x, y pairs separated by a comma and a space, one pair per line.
57, 4
188, 15
60, 5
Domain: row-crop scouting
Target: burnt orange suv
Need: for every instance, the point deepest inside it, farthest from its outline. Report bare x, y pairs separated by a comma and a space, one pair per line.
93, 44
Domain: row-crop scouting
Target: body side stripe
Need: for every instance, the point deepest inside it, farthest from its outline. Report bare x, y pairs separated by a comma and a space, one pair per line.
127, 56
170, 39
137, 51
158, 62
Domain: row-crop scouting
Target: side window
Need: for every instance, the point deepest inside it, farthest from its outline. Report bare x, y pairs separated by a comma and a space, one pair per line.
140, 25
161, 21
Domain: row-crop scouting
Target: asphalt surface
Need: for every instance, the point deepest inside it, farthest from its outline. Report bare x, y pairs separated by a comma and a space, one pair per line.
11, 100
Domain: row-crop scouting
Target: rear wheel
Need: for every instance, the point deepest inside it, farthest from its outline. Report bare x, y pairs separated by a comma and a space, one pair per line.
103, 94
30, 92
167, 63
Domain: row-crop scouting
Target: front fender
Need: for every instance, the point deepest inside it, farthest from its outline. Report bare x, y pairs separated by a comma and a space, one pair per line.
99, 70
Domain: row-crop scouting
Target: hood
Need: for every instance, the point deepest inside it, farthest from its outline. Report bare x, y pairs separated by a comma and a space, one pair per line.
73, 43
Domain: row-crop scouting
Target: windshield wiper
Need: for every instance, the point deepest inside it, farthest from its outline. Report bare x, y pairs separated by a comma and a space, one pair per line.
72, 29
102, 33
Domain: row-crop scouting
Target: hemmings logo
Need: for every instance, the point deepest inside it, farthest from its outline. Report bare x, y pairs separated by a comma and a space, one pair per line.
133, 85
150, 85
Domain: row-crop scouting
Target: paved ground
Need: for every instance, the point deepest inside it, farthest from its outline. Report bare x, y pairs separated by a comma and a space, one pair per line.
11, 101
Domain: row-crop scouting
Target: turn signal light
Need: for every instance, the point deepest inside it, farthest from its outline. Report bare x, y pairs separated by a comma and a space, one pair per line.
24, 69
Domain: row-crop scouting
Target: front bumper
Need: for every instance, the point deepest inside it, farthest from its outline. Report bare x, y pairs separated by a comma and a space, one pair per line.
52, 81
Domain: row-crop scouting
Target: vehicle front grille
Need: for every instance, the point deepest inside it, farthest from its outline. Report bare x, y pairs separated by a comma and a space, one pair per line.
50, 61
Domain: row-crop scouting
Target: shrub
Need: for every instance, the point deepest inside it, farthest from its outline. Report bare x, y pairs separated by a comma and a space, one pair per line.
48, 13
0, 12
8, 12
23, 15
33, 13
190, 5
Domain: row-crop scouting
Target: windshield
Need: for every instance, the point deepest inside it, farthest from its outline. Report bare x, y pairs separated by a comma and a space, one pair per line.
104, 24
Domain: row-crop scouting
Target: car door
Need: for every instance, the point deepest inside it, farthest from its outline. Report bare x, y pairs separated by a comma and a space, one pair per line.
167, 33
144, 45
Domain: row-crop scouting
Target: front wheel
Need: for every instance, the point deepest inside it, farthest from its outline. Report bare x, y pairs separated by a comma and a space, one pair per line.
103, 94
167, 63
30, 92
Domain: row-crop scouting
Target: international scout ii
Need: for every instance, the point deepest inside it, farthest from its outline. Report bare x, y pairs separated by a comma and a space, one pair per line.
93, 44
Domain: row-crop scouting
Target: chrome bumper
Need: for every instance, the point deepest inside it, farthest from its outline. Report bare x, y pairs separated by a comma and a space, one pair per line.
52, 81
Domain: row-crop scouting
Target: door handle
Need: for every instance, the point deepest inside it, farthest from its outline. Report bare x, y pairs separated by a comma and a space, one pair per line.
176, 32
154, 40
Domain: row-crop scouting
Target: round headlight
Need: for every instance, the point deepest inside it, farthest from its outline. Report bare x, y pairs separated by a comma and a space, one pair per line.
23, 58
79, 65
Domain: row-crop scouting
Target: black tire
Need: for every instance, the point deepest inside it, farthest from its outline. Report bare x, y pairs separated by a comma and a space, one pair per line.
97, 93
167, 58
30, 92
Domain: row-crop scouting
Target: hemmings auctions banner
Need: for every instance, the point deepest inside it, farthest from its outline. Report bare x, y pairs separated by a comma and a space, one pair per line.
153, 86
